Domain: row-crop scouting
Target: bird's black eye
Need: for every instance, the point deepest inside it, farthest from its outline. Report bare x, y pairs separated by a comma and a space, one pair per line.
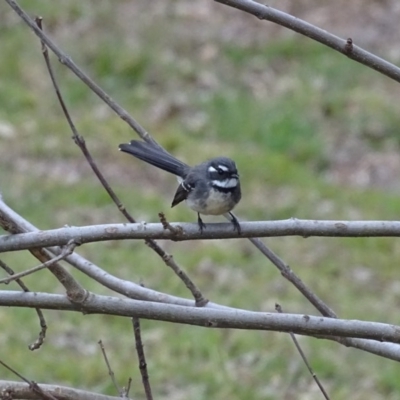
220, 171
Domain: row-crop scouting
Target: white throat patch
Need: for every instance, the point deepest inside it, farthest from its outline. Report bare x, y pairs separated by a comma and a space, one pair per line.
226, 183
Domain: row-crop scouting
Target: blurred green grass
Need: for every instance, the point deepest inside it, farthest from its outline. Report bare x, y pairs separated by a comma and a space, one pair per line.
281, 108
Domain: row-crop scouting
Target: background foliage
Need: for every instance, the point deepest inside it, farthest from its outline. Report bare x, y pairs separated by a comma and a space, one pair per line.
314, 135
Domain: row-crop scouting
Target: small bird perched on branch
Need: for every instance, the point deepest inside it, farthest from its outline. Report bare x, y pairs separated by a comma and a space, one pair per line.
210, 188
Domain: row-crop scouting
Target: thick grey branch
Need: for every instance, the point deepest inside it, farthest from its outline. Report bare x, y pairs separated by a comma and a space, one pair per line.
207, 317
187, 231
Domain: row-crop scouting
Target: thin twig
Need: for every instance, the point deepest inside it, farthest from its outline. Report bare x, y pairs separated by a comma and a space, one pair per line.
287, 273
142, 358
300, 350
32, 385
128, 387
66, 251
42, 322
110, 371
67, 61
166, 225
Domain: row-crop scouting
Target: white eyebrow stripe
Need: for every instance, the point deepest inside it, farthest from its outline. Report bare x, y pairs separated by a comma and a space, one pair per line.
226, 183
218, 169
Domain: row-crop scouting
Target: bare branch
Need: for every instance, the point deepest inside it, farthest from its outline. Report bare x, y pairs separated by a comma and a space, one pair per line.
189, 231
142, 358
304, 358
67, 61
344, 46
110, 371
66, 251
31, 384
21, 390
210, 318
287, 273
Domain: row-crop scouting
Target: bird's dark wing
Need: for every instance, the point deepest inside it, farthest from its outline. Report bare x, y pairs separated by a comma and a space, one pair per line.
155, 156
181, 194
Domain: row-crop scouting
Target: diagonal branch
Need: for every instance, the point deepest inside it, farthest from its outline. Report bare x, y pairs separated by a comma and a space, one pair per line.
67, 61
13, 223
66, 251
346, 47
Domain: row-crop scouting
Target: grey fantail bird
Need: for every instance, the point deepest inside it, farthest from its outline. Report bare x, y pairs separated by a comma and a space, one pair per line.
210, 188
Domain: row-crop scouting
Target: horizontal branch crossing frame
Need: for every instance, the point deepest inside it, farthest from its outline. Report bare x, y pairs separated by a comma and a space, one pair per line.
188, 231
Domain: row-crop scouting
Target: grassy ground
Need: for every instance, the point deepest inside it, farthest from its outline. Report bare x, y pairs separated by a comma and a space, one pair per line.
314, 136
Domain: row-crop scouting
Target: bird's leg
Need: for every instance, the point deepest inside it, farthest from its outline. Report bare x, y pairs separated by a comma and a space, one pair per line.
202, 225
236, 225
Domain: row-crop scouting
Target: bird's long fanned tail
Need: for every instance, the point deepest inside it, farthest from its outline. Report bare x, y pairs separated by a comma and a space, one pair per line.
155, 156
